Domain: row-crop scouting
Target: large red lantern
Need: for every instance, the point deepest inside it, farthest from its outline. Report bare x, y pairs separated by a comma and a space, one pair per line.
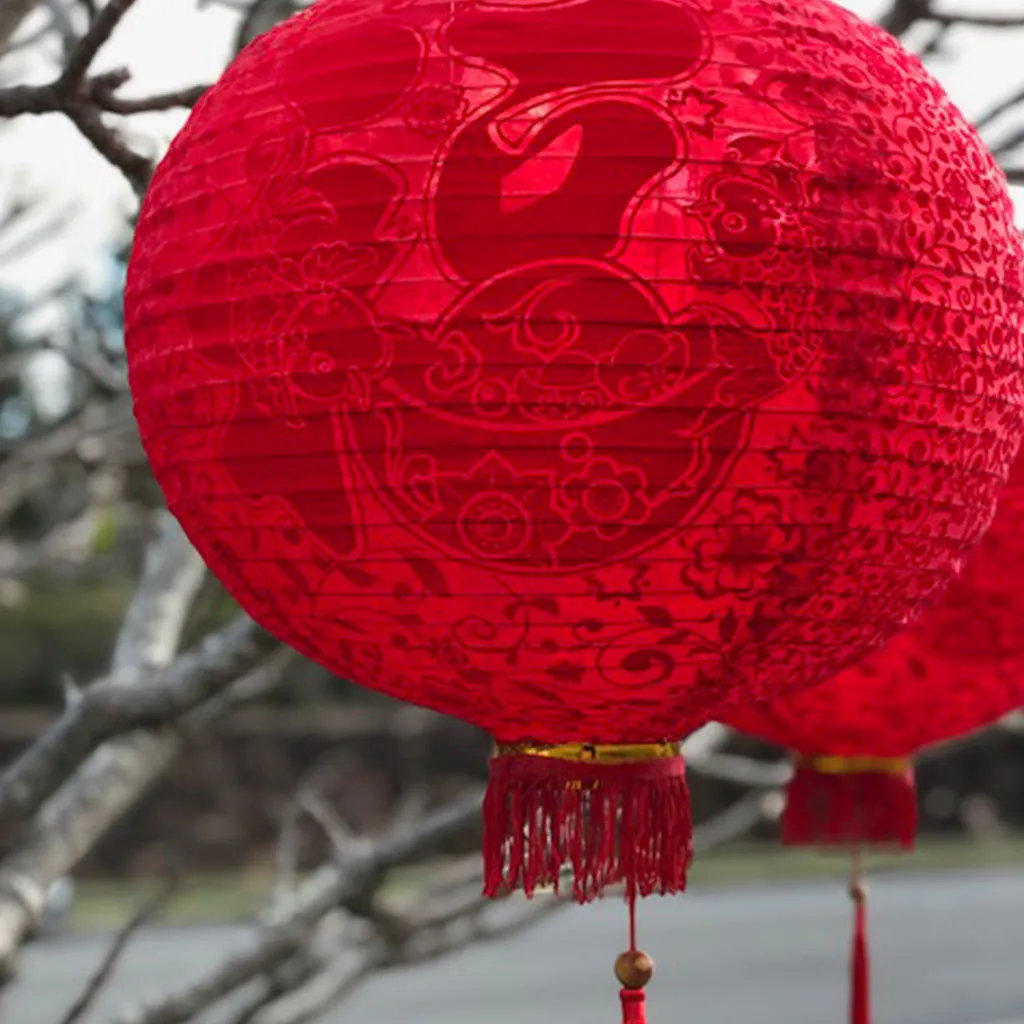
581, 369
958, 668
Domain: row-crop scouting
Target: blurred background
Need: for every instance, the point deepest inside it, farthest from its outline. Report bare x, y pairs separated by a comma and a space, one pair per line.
287, 781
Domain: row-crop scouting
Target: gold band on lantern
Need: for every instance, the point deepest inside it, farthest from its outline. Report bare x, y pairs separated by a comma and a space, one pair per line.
855, 765
598, 753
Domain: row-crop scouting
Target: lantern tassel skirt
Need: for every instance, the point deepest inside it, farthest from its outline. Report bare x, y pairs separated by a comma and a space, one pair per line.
613, 814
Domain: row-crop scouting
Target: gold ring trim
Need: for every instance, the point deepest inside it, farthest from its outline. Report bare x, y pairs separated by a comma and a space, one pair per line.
856, 765
596, 753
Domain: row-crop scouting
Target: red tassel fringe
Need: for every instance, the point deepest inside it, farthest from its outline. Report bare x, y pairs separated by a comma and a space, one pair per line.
612, 823
860, 978
856, 809
634, 1006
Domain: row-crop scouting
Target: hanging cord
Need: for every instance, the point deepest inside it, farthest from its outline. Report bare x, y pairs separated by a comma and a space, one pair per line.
634, 969
860, 968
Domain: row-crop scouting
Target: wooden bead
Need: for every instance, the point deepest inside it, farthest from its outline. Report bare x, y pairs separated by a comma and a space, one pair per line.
634, 969
859, 892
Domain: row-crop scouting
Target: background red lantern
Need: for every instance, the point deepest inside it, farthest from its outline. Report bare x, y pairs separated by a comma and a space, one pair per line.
580, 369
959, 668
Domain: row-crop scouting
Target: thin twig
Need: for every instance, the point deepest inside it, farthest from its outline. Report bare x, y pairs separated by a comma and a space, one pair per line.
109, 144
903, 15
161, 101
74, 94
327, 889
976, 20
743, 771
102, 975
98, 33
116, 706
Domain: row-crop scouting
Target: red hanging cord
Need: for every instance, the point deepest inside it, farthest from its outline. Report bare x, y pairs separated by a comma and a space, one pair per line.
634, 969
860, 968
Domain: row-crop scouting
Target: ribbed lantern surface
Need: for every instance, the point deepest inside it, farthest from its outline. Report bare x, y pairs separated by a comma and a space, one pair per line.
579, 369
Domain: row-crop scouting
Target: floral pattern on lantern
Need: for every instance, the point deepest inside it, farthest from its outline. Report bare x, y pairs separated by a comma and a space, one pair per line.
582, 369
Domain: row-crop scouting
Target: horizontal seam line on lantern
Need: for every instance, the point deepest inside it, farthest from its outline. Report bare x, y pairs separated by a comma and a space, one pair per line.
796, 415
615, 87
739, 169
901, 301
529, 674
594, 365
677, 493
622, 631
333, 453
236, 350
649, 237
369, 242
318, 292
364, 594
729, 487
557, 624
612, 90
432, 334
872, 256
895, 393
597, 643
683, 203
669, 527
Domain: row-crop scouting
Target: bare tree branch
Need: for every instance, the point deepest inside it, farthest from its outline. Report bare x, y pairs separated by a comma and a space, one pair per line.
93, 799
106, 98
737, 820
74, 94
327, 889
108, 143
261, 16
105, 971
99, 32
706, 741
426, 931
744, 771
92, 433
976, 20
85, 805
117, 705
903, 15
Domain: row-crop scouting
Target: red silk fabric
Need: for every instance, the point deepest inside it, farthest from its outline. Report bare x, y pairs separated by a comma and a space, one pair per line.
957, 669
579, 369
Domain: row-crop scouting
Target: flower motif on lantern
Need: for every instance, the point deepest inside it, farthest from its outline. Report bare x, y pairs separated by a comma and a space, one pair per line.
607, 497
738, 553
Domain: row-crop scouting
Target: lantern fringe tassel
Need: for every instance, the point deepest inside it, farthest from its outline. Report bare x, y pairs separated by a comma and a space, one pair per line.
860, 965
827, 806
612, 822
634, 1006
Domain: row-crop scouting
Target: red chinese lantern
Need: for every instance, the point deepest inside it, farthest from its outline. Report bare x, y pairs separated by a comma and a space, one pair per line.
581, 369
958, 668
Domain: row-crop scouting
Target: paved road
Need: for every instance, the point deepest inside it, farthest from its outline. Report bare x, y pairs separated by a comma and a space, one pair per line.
948, 949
